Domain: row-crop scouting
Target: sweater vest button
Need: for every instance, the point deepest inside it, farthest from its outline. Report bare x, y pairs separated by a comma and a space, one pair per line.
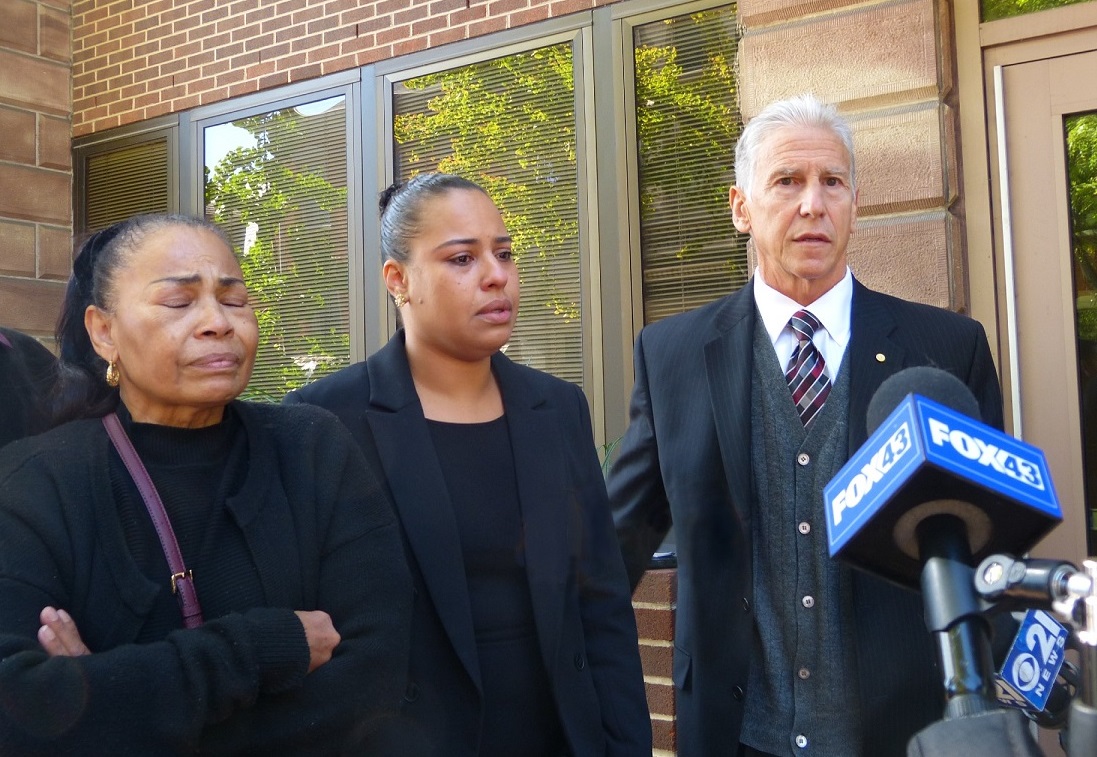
737, 692
411, 693
580, 663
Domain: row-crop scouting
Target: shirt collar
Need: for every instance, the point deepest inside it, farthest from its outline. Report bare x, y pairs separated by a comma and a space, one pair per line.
832, 309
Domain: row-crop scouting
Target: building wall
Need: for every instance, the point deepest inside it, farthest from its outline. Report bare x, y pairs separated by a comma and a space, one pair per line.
889, 65
35, 162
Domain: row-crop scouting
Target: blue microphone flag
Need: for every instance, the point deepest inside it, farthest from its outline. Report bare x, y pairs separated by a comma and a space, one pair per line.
928, 459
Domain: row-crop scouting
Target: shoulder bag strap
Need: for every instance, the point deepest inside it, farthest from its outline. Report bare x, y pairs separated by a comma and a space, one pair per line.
182, 580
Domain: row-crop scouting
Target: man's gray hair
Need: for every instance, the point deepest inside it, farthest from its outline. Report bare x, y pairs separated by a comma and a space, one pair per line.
801, 110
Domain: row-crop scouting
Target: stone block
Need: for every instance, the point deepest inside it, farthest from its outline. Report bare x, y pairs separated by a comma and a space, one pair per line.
19, 28
39, 195
903, 160
54, 253
29, 305
908, 256
55, 30
754, 13
54, 143
17, 249
870, 57
35, 83
17, 126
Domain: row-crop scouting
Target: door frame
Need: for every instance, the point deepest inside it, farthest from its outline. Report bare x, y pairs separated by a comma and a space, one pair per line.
981, 49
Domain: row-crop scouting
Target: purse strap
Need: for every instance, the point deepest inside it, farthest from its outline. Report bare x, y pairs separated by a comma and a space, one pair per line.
182, 580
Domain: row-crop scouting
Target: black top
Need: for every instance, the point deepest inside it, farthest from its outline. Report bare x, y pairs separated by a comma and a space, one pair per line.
478, 465
195, 471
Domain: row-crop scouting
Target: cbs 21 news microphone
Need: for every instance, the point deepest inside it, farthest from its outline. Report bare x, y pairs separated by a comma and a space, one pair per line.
928, 494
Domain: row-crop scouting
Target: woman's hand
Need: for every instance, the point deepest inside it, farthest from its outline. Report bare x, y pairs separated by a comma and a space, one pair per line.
320, 634
59, 635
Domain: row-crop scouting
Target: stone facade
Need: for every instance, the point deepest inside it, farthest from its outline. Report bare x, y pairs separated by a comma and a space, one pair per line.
35, 162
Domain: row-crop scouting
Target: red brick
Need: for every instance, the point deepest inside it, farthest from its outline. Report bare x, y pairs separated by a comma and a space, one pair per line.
451, 34
277, 79
654, 624
664, 735
306, 72
657, 587
340, 34
428, 25
660, 698
657, 660
532, 15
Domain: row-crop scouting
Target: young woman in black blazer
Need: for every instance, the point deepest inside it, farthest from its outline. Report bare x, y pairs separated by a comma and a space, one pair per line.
523, 634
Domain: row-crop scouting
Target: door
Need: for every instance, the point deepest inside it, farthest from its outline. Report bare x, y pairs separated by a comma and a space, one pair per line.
1044, 167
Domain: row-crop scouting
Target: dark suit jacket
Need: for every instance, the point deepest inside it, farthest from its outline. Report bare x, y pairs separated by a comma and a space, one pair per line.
686, 457
27, 374
581, 604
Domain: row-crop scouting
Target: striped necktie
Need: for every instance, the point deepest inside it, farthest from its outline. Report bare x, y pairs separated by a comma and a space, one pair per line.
806, 378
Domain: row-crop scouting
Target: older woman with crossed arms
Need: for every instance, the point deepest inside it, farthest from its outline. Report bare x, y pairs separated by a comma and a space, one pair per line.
262, 605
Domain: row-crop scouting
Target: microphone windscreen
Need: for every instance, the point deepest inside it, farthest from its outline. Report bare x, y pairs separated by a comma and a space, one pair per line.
932, 383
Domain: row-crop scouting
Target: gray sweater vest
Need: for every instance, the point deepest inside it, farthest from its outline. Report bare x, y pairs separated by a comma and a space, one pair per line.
802, 696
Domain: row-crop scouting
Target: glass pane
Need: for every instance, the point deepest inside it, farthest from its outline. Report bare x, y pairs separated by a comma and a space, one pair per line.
1081, 143
277, 183
687, 123
993, 10
509, 125
125, 182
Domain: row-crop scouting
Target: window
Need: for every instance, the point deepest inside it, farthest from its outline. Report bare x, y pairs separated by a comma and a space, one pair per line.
509, 125
277, 183
122, 178
687, 123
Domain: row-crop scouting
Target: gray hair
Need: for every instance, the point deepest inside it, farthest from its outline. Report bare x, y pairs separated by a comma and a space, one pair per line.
401, 208
801, 110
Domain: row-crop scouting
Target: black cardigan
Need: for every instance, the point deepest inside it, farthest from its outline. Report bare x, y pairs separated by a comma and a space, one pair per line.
323, 536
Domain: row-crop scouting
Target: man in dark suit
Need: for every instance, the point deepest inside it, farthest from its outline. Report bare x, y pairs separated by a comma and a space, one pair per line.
742, 411
27, 371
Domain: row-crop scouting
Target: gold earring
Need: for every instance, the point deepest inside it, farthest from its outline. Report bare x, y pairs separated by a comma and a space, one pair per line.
399, 300
112, 374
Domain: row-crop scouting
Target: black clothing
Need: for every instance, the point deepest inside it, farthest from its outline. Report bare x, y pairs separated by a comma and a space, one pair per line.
27, 375
586, 629
477, 463
319, 535
686, 457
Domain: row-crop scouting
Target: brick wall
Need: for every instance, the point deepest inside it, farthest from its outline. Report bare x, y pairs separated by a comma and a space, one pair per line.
654, 601
35, 162
135, 60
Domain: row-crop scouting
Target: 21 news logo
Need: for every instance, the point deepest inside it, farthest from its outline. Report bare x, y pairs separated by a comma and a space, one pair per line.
1033, 662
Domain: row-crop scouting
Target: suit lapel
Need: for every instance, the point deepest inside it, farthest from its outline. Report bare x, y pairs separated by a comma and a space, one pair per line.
420, 495
544, 497
729, 360
873, 355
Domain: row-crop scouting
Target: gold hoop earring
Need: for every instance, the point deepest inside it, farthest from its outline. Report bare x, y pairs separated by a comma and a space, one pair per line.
399, 300
113, 374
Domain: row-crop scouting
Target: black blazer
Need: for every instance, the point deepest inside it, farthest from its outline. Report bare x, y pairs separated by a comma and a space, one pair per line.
581, 604
686, 458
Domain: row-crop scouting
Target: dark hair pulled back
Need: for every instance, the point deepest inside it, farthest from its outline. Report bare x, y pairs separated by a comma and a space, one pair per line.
401, 207
81, 390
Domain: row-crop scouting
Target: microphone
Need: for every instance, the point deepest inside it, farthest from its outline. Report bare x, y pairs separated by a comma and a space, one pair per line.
930, 489
929, 456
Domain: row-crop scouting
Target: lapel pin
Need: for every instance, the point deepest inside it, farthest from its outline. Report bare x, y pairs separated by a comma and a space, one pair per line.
880, 357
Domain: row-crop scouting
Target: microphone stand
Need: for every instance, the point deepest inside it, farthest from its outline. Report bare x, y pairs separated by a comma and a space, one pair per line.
954, 616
